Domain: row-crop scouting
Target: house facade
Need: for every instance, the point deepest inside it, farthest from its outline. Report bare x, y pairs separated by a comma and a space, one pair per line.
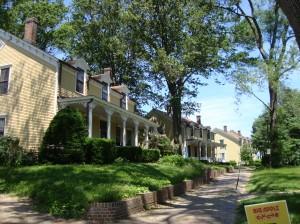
34, 86
231, 143
198, 141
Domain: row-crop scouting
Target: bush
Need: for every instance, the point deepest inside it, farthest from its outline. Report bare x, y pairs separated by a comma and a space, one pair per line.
150, 155
232, 163
130, 153
64, 139
11, 153
163, 143
99, 150
176, 160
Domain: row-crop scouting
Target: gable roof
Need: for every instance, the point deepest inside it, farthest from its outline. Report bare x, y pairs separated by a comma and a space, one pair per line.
230, 135
5, 36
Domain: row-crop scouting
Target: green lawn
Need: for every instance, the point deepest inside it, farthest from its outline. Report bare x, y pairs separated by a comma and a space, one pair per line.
271, 183
66, 190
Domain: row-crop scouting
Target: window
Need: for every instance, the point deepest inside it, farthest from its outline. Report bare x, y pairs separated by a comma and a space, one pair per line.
222, 141
104, 91
208, 134
2, 126
201, 132
80, 80
192, 131
123, 101
4, 76
103, 129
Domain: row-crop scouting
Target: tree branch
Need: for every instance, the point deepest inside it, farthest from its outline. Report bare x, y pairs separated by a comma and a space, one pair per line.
274, 32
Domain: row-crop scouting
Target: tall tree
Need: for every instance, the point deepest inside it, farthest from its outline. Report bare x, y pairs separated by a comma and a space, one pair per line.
13, 14
291, 9
277, 56
98, 32
288, 129
181, 42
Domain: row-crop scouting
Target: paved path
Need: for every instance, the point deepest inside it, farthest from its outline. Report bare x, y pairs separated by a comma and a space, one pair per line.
14, 210
210, 204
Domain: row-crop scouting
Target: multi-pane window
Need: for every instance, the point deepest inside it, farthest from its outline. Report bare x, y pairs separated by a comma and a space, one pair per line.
104, 91
4, 76
80, 81
123, 101
208, 134
2, 126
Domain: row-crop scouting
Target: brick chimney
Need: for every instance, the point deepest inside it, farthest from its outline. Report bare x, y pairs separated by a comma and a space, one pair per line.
107, 71
30, 32
225, 128
198, 117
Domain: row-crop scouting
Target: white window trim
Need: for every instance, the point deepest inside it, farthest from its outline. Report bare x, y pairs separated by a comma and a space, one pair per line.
9, 77
84, 83
2, 44
5, 122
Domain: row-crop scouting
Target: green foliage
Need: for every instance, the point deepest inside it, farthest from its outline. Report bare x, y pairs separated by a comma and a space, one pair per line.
130, 153
150, 155
99, 150
163, 143
288, 125
67, 190
247, 154
11, 153
175, 160
232, 163
49, 14
64, 139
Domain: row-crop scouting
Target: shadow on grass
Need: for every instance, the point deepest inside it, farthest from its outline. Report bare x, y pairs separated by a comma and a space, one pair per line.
293, 203
67, 190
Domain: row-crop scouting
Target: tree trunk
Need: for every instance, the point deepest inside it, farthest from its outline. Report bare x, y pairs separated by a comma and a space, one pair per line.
272, 125
291, 9
175, 103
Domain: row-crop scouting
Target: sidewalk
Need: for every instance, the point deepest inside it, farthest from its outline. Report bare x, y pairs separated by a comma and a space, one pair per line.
210, 204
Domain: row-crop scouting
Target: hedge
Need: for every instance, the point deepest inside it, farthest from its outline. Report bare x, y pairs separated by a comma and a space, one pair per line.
130, 153
150, 155
99, 150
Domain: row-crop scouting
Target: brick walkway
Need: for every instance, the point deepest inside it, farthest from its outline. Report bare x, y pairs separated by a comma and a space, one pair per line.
211, 204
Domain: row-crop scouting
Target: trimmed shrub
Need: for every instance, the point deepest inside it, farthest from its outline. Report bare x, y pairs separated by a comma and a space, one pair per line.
176, 160
99, 150
11, 153
150, 155
232, 163
130, 153
64, 139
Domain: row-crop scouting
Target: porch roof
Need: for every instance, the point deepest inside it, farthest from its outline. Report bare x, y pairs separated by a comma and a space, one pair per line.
104, 104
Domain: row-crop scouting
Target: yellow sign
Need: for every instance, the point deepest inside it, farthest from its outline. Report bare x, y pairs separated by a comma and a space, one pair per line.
275, 212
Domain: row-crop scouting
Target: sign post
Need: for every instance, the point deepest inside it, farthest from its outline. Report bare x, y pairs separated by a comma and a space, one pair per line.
275, 212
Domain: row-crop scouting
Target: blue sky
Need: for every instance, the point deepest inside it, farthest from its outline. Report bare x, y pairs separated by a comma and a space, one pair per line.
218, 107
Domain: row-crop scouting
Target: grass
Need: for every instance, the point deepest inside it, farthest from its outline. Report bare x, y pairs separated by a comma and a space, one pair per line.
274, 185
66, 190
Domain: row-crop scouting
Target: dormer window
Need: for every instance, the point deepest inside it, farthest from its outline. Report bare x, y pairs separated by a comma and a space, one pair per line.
104, 95
123, 101
80, 80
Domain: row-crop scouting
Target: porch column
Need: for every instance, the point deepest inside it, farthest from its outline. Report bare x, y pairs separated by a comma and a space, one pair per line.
124, 119
108, 113
91, 107
205, 151
199, 149
147, 136
136, 133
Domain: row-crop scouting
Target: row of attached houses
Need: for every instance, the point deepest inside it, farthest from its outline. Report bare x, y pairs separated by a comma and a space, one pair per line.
34, 86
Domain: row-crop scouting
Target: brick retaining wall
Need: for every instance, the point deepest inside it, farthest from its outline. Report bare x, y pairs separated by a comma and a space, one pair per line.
106, 212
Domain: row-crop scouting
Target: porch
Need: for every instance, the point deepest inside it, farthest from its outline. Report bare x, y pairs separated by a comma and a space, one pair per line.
106, 120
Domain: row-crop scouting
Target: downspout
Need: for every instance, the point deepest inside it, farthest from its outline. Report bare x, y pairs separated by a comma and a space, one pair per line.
59, 78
